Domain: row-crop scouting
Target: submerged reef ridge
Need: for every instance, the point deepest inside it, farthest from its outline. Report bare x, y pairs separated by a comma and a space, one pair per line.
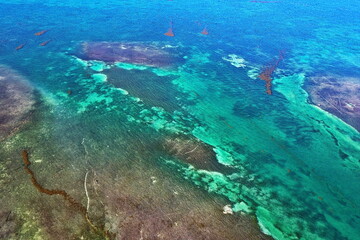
127, 52
337, 95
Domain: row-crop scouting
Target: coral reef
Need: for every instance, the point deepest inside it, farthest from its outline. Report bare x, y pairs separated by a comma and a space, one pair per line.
337, 95
128, 52
154, 207
235, 60
194, 152
16, 101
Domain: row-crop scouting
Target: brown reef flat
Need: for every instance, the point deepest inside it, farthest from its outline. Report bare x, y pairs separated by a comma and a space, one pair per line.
16, 100
337, 95
160, 208
129, 201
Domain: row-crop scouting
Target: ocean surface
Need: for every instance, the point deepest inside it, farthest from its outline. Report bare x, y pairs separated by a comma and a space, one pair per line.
205, 132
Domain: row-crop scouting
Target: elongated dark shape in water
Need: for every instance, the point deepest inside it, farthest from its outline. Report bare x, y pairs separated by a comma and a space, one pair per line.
67, 197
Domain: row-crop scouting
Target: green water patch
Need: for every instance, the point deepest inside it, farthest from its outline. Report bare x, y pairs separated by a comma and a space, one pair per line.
286, 157
273, 152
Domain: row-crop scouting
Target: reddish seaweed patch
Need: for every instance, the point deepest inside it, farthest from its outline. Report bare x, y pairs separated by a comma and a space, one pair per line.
266, 74
169, 33
204, 31
45, 43
75, 204
20, 47
128, 52
40, 33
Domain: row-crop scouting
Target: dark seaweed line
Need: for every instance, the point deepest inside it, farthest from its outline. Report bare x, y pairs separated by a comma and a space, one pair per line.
66, 196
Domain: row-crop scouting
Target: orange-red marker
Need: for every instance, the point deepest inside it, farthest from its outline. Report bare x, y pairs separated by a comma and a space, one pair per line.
40, 33
44, 43
20, 46
170, 32
205, 31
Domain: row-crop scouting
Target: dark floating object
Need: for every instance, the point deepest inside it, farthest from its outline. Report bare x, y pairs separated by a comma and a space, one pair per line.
69, 92
266, 74
78, 206
40, 33
45, 43
19, 47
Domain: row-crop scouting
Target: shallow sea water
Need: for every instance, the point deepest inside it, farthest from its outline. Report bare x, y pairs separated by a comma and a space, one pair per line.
158, 152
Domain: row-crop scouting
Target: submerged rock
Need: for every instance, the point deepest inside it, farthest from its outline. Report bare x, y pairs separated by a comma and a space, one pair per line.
194, 152
337, 95
16, 101
128, 52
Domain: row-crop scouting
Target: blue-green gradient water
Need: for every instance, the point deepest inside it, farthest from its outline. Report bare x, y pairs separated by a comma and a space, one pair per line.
292, 165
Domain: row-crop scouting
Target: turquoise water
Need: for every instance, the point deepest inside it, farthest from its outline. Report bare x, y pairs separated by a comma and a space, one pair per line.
279, 158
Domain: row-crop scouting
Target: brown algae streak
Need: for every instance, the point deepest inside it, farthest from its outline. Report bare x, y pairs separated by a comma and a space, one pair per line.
266, 74
78, 206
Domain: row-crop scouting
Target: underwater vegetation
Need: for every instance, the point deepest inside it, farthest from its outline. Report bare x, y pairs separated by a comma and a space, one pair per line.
40, 33
45, 43
73, 203
205, 31
20, 46
267, 72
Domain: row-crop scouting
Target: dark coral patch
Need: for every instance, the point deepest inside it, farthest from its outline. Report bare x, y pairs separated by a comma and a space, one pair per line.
337, 95
127, 52
194, 152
